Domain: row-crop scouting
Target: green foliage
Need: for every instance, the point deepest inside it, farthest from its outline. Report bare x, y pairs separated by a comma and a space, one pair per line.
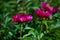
37, 29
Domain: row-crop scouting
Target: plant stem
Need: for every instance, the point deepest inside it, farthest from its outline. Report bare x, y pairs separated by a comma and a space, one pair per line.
40, 29
21, 29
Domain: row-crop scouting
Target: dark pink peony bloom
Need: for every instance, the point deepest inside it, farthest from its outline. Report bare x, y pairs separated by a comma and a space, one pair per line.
46, 10
42, 14
22, 18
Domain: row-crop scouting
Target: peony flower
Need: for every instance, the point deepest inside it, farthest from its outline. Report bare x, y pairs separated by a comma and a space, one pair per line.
43, 14
40, 13
47, 10
22, 18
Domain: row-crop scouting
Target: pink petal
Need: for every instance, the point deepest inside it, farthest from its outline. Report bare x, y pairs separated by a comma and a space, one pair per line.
29, 17
47, 14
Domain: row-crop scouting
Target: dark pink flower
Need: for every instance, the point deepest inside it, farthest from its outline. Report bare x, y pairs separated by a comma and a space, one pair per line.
22, 18
42, 14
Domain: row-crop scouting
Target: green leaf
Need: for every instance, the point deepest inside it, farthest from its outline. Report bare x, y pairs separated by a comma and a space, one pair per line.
10, 33
26, 35
26, 28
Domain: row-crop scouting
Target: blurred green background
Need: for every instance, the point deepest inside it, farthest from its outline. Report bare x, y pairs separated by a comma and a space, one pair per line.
34, 30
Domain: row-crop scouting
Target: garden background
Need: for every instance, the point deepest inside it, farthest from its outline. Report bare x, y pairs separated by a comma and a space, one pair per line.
35, 29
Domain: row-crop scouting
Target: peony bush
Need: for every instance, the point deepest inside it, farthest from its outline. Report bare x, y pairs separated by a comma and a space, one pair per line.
29, 20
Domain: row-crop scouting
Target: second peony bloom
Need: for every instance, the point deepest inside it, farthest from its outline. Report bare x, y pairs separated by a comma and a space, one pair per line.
46, 10
42, 14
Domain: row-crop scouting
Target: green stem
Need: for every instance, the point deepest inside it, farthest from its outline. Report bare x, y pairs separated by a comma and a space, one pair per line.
21, 30
41, 29
45, 23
